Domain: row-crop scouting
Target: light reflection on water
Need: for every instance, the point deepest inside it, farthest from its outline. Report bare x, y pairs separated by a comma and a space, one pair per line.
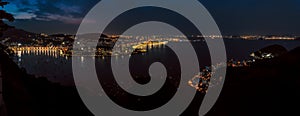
46, 63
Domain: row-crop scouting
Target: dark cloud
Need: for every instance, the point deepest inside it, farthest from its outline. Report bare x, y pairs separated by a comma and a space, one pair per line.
232, 16
25, 10
51, 9
37, 15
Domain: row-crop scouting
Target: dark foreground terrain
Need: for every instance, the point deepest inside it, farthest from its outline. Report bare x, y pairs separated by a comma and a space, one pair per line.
268, 87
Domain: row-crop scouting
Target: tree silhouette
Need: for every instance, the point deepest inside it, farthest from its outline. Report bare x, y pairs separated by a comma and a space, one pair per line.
4, 15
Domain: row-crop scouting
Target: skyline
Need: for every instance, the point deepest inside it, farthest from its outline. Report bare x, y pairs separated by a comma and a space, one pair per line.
234, 17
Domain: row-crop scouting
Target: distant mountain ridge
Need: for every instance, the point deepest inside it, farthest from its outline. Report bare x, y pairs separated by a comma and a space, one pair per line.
16, 33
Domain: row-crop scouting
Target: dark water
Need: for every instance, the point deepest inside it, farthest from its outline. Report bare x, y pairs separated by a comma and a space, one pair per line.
59, 69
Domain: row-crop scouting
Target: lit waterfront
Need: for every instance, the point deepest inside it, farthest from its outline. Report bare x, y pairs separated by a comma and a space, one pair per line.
48, 51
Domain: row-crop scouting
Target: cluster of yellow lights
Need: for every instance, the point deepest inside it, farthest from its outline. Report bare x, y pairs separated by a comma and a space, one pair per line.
151, 43
33, 48
280, 38
195, 83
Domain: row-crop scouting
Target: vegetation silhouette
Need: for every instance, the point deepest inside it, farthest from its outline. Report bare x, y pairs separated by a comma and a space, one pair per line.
4, 16
3, 26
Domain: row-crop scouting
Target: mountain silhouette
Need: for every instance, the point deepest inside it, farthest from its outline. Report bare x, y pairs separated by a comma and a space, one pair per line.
268, 87
17, 35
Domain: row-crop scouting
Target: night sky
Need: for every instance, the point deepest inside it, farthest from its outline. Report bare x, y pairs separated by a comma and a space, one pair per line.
234, 17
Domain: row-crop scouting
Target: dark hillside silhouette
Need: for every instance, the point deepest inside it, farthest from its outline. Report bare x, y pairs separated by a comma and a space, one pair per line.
26, 95
269, 88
